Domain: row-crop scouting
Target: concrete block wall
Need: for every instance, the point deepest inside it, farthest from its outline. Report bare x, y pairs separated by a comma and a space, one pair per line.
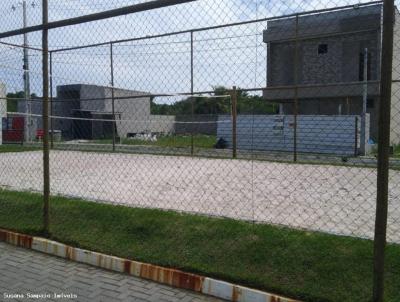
198, 124
162, 124
135, 112
315, 133
340, 64
326, 23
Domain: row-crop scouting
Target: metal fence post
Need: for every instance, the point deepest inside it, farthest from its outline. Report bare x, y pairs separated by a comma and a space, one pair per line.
191, 91
383, 152
234, 122
51, 102
112, 95
296, 101
46, 159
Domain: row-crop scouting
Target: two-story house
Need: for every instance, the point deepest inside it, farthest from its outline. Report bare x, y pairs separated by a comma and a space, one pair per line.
323, 56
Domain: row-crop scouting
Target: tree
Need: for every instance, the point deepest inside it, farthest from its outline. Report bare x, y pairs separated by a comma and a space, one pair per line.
14, 97
246, 104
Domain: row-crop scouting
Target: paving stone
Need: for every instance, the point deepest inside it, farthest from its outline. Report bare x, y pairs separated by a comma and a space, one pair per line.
23, 271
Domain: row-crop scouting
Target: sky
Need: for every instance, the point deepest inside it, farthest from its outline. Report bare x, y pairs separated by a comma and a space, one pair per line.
229, 56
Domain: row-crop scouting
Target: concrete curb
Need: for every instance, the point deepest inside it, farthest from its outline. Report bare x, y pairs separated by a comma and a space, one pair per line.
172, 277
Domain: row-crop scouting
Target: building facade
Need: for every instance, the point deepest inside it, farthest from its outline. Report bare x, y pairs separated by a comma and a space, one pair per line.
88, 103
83, 111
323, 55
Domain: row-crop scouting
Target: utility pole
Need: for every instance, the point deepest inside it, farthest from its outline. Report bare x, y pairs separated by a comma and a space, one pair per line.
364, 136
28, 104
27, 90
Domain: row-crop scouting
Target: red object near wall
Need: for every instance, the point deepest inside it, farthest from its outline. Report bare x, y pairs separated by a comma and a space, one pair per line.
17, 123
39, 134
13, 129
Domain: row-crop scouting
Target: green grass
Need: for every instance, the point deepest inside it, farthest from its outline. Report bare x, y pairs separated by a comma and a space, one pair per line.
309, 266
17, 148
396, 150
176, 141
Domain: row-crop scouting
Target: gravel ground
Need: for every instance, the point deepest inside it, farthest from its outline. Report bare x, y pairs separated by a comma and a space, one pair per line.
333, 199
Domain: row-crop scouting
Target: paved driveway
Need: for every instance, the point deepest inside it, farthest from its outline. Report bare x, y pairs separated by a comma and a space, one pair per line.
25, 272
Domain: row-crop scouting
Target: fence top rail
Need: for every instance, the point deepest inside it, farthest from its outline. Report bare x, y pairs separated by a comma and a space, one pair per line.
136, 8
55, 24
130, 97
325, 10
20, 46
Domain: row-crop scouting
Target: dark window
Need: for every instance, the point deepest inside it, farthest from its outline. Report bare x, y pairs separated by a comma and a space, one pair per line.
322, 49
361, 67
370, 103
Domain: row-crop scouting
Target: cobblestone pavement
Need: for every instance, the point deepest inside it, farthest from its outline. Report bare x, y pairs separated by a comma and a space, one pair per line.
25, 272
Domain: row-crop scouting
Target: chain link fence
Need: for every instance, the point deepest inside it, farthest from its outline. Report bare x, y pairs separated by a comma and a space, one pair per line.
235, 139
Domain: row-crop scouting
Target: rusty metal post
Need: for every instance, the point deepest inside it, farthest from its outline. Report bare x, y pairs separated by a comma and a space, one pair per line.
112, 96
296, 80
383, 151
191, 91
46, 157
234, 121
51, 102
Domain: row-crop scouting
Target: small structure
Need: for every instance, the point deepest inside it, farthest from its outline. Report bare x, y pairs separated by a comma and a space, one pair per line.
90, 106
83, 111
323, 54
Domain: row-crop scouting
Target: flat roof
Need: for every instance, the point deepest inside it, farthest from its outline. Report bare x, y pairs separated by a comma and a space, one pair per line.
364, 18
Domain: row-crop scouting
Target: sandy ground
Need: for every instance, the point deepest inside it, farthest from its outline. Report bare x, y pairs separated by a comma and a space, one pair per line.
338, 200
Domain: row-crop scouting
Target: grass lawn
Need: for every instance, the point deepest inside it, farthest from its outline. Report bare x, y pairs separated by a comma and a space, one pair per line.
309, 266
174, 141
17, 148
396, 150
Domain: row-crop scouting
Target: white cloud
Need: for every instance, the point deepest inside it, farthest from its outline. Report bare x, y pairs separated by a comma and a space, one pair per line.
163, 64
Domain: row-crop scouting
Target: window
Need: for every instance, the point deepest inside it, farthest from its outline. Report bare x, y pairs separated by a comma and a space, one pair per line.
322, 49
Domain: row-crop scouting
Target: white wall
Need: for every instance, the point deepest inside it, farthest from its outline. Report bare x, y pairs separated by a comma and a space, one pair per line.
135, 112
315, 133
3, 108
162, 123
